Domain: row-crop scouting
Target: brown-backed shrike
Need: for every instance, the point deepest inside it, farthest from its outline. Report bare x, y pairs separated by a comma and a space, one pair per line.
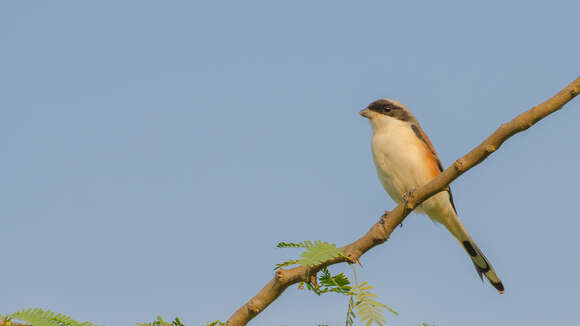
405, 160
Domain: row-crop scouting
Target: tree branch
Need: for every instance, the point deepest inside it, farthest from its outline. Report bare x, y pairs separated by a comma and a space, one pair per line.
381, 230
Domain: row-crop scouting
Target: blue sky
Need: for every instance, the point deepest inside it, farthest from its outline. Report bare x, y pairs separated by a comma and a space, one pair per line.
153, 153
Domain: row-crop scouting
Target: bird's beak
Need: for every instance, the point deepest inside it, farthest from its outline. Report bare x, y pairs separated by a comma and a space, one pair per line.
366, 113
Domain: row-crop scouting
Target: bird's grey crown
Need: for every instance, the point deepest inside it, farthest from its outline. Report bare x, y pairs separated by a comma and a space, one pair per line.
392, 108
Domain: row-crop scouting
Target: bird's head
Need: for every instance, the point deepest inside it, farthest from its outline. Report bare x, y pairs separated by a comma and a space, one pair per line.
385, 112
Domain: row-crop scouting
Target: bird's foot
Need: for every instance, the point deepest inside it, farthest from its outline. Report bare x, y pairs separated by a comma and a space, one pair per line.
407, 195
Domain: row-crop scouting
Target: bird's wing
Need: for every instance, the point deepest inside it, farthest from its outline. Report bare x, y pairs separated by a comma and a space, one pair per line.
433, 155
481, 263
423, 137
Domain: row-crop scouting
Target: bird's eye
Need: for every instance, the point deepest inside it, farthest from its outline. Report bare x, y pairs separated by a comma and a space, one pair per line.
387, 108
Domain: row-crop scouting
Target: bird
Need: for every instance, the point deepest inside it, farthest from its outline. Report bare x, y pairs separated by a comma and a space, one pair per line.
405, 160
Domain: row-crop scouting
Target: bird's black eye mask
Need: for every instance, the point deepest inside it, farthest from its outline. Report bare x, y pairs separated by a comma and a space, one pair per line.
390, 109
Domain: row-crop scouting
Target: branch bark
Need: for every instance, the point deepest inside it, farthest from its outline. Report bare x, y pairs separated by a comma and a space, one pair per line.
381, 230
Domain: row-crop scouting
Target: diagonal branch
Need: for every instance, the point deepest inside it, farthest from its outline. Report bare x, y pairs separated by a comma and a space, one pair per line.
381, 230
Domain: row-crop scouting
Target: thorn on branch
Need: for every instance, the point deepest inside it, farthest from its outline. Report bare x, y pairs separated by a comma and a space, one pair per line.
351, 257
354, 259
490, 148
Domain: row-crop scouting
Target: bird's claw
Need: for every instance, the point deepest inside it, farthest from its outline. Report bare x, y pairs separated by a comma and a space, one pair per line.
407, 195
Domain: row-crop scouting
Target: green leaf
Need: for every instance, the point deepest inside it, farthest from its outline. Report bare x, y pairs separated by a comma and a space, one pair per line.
291, 245
350, 315
215, 323
177, 322
368, 309
318, 252
286, 263
40, 317
338, 283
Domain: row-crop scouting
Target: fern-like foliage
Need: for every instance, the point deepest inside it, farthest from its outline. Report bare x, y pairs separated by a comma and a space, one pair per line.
316, 252
215, 323
328, 283
161, 322
40, 317
333, 283
350, 315
368, 308
291, 245
286, 263
177, 322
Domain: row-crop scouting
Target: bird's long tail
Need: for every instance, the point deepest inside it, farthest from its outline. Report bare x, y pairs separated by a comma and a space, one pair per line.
481, 263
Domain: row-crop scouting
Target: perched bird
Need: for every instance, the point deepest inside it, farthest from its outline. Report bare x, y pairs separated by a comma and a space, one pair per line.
405, 160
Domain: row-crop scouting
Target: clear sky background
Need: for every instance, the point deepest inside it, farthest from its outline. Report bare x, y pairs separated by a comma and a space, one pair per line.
153, 153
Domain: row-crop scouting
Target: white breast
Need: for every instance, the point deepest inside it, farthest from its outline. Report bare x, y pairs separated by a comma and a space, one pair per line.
398, 159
